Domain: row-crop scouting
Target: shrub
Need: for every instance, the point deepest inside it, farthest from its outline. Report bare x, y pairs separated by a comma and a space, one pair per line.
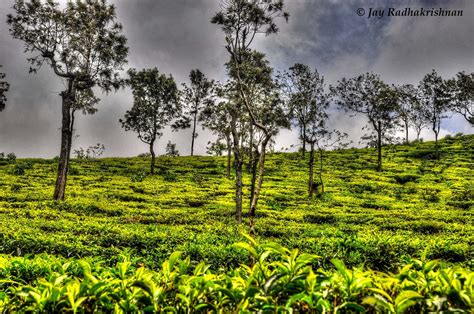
138, 176
275, 279
402, 179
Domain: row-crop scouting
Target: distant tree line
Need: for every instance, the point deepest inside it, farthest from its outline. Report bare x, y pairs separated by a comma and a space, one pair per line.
84, 45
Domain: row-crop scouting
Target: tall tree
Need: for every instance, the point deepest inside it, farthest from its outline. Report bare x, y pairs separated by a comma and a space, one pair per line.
83, 43
462, 93
194, 98
311, 101
155, 105
302, 87
268, 112
4, 87
369, 95
241, 21
435, 99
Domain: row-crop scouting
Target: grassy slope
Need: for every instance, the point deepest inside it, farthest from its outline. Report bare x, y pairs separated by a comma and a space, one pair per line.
365, 217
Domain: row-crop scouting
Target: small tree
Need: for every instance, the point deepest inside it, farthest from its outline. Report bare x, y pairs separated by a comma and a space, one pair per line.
321, 139
241, 21
369, 95
92, 152
171, 150
83, 44
155, 105
302, 87
462, 93
435, 100
194, 98
4, 87
407, 104
417, 118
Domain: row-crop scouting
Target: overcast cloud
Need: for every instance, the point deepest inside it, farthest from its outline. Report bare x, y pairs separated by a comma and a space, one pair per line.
176, 36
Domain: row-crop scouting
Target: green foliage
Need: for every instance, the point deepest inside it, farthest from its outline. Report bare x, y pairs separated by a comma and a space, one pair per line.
4, 87
275, 279
363, 218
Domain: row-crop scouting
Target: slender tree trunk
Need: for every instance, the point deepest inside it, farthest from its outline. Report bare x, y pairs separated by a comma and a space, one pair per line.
379, 147
321, 156
229, 156
251, 151
254, 165
436, 145
304, 139
258, 187
238, 172
406, 132
194, 133
153, 157
418, 131
66, 139
311, 171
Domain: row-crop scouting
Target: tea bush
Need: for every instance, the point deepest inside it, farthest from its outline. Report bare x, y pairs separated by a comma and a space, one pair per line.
364, 218
275, 279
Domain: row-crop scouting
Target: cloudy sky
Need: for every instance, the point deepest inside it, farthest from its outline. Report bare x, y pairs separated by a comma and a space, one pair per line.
176, 36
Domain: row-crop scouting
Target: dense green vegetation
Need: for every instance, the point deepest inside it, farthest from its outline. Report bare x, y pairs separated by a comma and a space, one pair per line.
278, 281
417, 208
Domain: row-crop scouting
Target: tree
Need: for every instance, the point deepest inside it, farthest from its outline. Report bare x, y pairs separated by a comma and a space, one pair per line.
417, 118
4, 87
462, 93
241, 21
302, 87
171, 150
321, 139
407, 104
435, 100
195, 97
267, 114
215, 116
369, 95
155, 105
83, 44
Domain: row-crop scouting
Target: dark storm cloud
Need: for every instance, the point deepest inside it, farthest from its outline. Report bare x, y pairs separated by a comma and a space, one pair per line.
176, 36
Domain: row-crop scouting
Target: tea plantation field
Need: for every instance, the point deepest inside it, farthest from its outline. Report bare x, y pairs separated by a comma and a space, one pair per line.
109, 246
417, 208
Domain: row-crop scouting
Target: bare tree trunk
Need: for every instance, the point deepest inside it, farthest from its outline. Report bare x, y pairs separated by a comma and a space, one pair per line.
250, 165
229, 156
194, 133
66, 139
379, 147
258, 187
321, 156
311, 171
304, 139
153, 157
238, 172
406, 132
436, 145
256, 156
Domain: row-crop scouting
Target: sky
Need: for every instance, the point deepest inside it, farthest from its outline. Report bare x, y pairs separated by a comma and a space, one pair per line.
176, 36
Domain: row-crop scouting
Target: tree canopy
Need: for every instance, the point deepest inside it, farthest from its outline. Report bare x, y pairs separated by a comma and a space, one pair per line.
4, 87
155, 105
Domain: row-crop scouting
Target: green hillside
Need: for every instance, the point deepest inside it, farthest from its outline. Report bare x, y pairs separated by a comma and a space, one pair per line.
109, 247
416, 208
